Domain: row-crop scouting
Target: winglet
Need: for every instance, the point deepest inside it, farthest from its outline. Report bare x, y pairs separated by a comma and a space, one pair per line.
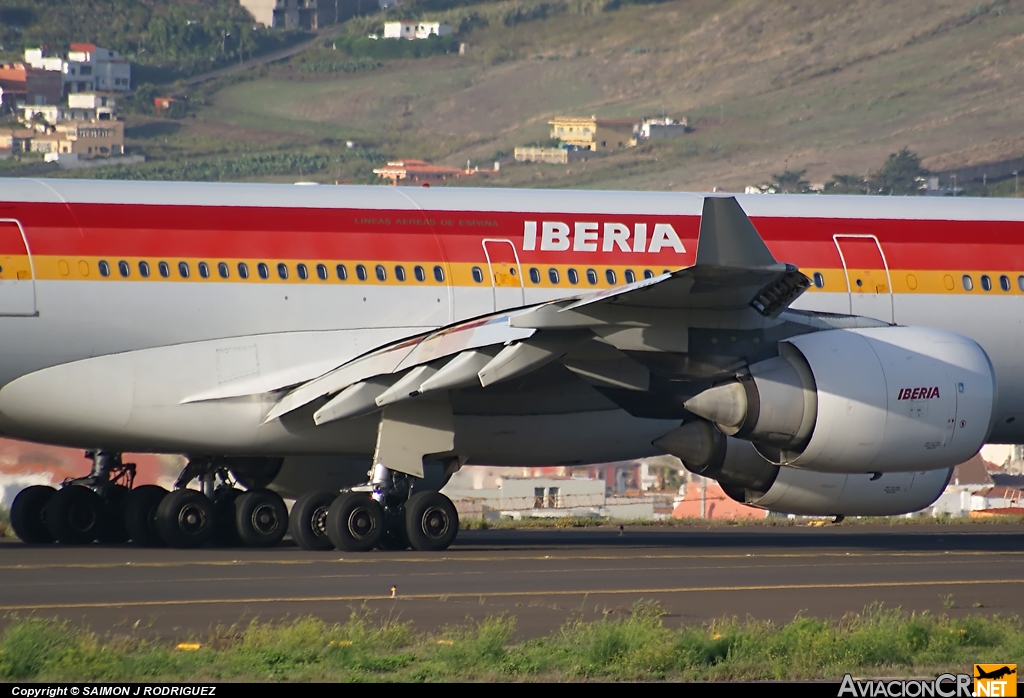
728, 238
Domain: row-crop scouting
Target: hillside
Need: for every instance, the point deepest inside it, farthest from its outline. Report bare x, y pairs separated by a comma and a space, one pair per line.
829, 86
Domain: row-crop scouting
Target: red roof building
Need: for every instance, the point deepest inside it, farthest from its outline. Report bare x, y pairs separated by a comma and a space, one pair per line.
417, 172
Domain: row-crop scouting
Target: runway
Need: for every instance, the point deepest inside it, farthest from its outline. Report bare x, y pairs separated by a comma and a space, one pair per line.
542, 577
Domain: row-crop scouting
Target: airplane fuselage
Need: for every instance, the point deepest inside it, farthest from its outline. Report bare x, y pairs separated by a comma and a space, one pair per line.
167, 317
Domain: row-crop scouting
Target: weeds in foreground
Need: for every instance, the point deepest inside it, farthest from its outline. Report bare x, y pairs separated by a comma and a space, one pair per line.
637, 646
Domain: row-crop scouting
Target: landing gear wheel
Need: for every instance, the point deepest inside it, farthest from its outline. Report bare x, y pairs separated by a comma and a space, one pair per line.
308, 521
74, 515
112, 525
395, 537
355, 522
431, 521
28, 514
225, 532
261, 518
140, 515
185, 519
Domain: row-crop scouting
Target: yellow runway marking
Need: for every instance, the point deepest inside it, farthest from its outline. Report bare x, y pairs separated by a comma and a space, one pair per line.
500, 558
512, 594
462, 573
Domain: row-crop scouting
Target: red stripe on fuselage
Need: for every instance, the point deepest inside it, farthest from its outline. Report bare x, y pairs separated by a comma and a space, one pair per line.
169, 231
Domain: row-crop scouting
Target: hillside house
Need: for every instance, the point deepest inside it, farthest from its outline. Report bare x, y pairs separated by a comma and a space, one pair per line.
84, 139
416, 172
87, 68
662, 128
82, 106
415, 30
593, 133
22, 84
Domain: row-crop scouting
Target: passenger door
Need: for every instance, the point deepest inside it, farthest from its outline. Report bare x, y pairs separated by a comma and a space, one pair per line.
17, 277
505, 272
867, 276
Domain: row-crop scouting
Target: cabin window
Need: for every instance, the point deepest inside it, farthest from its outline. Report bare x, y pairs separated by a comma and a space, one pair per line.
164, 268
400, 272
342, 271
183, 270
302, 270
968, 282
592, 277
553, 275
104, 267
574, 278
321, 272
610, 277
204, 270
478, 275
630, 276
420, 274
381, 272
144, 269
264, 270
986, 283
819, 280
648, 274
282, 270
223, 270
535, 275
1020, 282
243, 270
124, 269
439, 273
1004, 282
361, 272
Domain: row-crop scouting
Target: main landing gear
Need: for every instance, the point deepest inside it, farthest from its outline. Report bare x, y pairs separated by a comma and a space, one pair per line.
104, 507
386, 514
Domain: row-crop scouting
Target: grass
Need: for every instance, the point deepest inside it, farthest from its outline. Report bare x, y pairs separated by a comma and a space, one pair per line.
636, 647
5, 524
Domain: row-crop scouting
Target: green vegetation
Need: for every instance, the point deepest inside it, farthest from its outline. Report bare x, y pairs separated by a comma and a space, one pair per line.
5, 524
327, 66
163, 39
635, 646
351, 166
900, 175
363, 46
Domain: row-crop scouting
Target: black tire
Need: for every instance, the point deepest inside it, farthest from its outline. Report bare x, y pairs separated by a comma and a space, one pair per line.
112, 527
186, 519
74, 515
261, 518
395, 536
225, 532
308, 521
431, 521
355, 522
140, 515
28, 514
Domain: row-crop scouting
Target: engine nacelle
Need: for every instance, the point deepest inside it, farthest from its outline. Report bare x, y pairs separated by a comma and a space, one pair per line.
748, 478
885, 399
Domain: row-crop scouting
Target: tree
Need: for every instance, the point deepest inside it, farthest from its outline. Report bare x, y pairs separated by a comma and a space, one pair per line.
900, 175
846, 184
789, 182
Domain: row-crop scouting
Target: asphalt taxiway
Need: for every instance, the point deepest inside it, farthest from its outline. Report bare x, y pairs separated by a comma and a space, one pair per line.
542, 577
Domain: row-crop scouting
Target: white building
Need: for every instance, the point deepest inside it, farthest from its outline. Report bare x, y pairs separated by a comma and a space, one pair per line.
87, 68
82, 106
415, 30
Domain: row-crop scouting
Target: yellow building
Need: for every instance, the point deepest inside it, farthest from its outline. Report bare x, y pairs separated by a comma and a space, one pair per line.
593, 133
90, 139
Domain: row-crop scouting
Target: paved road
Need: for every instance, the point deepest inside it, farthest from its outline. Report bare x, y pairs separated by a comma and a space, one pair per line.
543, 577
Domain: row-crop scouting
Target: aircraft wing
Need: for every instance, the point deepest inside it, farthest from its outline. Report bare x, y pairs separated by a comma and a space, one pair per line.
610, 338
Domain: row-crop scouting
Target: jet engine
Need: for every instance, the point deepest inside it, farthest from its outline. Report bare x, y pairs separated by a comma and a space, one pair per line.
885, 399
747, 477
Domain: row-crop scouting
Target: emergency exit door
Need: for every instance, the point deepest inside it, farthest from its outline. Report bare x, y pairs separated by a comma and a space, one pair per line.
867, 276
506, 274
17, 280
